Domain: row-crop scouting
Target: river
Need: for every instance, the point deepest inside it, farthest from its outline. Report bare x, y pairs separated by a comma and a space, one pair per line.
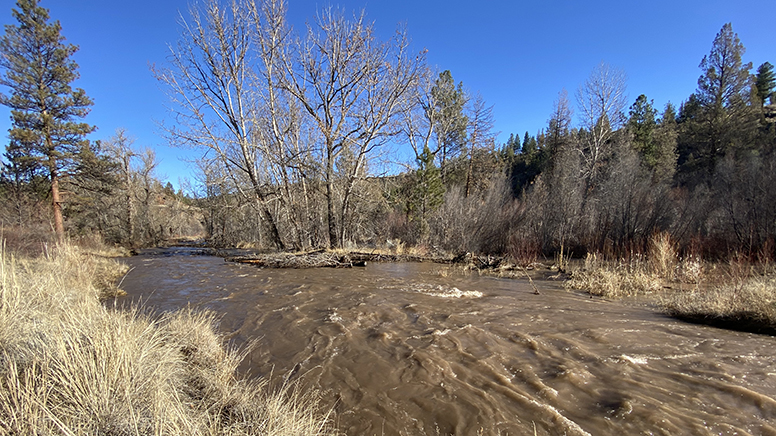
422, 349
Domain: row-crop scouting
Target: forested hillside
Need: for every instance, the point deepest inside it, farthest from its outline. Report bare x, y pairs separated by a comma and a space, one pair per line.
299, 135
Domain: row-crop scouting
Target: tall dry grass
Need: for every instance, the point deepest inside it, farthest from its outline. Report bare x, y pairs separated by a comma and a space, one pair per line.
748, 305
739, 295
637, 274
69, 365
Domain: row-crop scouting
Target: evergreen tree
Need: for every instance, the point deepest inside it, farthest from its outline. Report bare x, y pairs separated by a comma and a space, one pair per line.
511, 149
448, 117
725, 78
429, 191
665, 146
723, 92
530, 146
641, 125
44, 107
718, 118
765, 83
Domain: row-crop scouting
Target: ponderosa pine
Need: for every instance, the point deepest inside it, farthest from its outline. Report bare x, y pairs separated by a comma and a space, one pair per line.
38, 70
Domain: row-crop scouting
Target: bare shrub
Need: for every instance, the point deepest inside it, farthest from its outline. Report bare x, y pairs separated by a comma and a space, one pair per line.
476, 223
523, 249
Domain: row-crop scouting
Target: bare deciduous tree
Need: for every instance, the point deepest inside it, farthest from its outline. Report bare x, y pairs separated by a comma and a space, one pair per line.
481, 134
212, 85
353, 87
601, 101
119, 148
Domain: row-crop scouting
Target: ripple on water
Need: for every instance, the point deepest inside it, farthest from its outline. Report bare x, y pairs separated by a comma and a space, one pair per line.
399, 349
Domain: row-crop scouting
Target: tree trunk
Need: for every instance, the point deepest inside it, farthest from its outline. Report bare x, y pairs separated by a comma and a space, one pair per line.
130, 203
274, 234
333, 240
59, 223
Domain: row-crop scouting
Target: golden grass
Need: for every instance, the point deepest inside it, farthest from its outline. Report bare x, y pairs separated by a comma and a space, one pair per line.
615, 279
639, 274
71, 366
739, 295
748, 304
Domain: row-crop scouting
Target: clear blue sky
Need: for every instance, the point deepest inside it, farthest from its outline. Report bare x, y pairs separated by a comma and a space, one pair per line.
517, 54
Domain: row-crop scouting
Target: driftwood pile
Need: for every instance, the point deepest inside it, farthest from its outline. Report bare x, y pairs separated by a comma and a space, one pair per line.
323, 259
328, 259
318, 259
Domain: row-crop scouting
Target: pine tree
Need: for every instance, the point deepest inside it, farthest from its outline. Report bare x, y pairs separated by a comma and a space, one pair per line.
723, 92
428, 192
448, 117
530, 146
765, 83
44, 107
665, 146
725, 77
642, 126
718, 119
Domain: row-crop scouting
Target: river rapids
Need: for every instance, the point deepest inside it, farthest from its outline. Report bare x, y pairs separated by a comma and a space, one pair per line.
423, 349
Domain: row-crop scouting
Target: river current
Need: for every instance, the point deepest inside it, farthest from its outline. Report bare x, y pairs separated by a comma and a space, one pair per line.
423, 349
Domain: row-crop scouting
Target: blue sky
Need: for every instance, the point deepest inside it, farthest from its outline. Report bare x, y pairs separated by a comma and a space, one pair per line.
517, 54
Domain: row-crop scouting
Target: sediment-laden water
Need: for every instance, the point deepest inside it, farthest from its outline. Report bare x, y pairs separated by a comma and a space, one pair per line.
418, 349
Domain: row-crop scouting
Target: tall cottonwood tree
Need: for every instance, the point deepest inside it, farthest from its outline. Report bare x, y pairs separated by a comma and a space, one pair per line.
212, 83
38, 69
353, 88
119, 148
289, 148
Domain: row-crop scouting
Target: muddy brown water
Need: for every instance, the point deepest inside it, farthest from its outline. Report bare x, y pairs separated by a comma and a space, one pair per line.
419, 349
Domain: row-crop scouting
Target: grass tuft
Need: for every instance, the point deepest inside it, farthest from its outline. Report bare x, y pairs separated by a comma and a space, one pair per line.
742, 300
615, 279
740, 295
69, 365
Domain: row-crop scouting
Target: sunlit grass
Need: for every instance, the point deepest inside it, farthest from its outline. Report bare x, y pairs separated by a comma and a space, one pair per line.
739, 294
70, 365
748, 305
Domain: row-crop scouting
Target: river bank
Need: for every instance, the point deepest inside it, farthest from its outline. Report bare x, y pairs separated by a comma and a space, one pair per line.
74, 365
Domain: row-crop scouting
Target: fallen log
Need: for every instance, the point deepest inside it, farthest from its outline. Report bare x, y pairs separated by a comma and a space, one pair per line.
286, 260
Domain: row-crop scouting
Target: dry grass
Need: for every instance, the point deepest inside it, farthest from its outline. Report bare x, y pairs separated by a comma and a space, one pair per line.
639, 274
748, 305
69, 365
739, 295
615, 279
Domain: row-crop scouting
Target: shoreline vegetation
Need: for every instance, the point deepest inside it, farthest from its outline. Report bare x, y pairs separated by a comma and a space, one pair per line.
73, 365
737, 294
